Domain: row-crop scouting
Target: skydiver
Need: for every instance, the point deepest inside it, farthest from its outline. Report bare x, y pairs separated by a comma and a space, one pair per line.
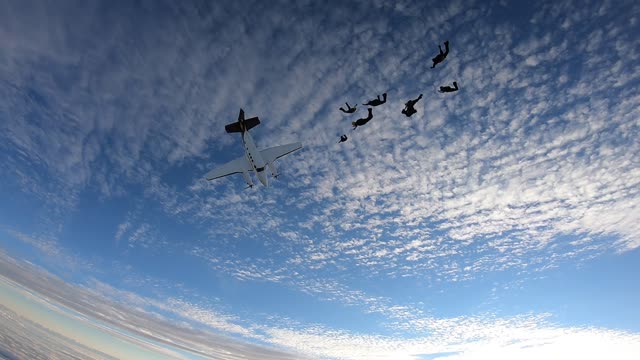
363, 121
445, 89
443, 54
350, 109
377, 101
343, 138
408, 106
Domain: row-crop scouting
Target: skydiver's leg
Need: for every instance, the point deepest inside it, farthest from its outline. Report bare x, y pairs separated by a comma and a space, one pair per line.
446, 48
440, 48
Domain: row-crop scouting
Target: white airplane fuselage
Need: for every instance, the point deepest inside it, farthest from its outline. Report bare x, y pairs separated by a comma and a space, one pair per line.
255, 159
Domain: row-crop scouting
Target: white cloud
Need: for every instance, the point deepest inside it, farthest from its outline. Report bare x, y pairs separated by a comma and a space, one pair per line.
490, 340
122, 229
558, 344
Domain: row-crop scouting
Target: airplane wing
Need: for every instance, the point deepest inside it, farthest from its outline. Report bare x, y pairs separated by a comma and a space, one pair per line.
276, 152
238, 165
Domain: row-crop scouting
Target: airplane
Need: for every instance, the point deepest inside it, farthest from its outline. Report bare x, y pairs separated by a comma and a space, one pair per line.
254, 159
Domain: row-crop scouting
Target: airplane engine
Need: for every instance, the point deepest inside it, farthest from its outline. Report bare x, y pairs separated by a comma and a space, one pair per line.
247, 178
272, 168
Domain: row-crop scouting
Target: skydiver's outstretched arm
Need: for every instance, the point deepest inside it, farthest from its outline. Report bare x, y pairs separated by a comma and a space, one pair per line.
349, 109
411, 103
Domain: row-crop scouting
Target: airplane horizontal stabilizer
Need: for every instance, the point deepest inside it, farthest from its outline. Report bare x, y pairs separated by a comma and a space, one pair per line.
237, 126
250, 123
233, 127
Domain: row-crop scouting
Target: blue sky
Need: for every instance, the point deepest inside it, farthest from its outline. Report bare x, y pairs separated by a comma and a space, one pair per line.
500, 221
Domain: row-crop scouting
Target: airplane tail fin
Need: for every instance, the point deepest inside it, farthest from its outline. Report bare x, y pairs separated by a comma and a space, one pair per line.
242, 124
